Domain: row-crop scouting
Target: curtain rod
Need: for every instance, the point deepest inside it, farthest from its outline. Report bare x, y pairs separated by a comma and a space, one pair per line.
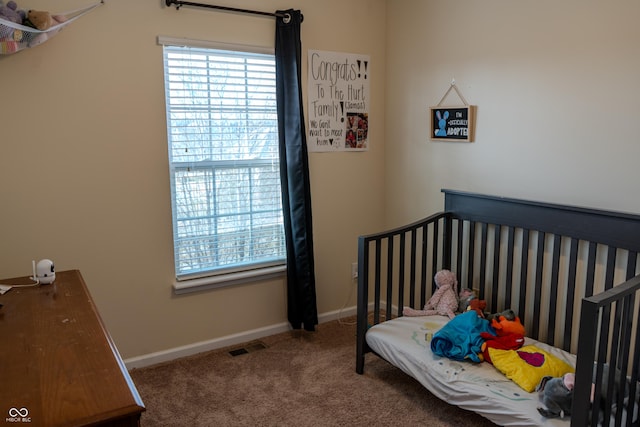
180, 3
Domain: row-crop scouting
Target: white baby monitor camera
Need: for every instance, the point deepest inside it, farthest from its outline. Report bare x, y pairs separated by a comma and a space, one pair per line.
45, 271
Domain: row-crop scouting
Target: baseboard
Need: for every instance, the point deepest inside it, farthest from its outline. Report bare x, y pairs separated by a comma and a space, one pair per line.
227, 341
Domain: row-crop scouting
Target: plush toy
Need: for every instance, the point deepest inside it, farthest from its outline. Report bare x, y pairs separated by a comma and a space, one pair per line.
556, 395
477, 305
508, 314
504, 342
444, 300
504, 326
465, 296
9, 36
42, 20
10, 12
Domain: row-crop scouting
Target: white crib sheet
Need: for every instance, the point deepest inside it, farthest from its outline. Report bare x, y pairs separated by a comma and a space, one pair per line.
478, 387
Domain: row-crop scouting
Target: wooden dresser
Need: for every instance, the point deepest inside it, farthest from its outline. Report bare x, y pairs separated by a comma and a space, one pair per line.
58, 364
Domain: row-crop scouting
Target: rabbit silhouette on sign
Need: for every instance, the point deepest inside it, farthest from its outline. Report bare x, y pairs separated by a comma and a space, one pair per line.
442, 123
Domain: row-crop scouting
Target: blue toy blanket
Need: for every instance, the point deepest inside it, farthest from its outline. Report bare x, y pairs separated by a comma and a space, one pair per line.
460, 338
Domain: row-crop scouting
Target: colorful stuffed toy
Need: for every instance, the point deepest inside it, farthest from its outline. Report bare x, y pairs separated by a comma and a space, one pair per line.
504, 342
477, 305
509, 334
504, 326
444, 300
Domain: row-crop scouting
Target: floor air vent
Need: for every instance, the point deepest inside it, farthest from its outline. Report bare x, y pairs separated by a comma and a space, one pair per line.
248, 348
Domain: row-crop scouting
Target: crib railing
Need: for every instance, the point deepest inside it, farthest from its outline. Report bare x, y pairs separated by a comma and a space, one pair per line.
608, 357
398, 265
539, 259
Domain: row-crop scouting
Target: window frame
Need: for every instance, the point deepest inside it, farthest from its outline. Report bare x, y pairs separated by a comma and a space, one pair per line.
222, 277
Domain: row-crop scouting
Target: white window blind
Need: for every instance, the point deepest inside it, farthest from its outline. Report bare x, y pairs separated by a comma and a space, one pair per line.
223, 158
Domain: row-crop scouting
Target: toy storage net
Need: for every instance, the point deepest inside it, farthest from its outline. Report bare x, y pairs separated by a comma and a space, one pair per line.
16, 37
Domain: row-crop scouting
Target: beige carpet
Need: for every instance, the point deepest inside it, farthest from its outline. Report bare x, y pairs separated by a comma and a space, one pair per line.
299, 379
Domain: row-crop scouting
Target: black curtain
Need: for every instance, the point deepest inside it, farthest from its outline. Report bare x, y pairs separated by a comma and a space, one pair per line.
294, 174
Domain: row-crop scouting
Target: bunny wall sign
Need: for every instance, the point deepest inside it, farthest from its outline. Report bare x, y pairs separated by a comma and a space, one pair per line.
452, 123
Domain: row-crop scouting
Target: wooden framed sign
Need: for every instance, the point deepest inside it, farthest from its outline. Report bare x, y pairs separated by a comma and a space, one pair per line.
453, 123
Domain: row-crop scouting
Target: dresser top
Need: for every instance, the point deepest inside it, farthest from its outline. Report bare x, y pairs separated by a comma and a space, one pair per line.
59, 366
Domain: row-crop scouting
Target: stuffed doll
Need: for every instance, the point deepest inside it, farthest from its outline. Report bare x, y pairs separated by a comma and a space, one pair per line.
444, 300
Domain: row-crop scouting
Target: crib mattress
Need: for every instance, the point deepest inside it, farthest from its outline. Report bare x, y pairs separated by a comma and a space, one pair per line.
478, 387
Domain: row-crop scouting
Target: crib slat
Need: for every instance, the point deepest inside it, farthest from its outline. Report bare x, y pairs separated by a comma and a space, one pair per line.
446, 242
483, 264
390, 250
471, 254
611, 267
496, 269
524, 266
591, 269
537, 297
459, 246
571, 291
376, 307
434, 243
509, 273
423, 271
401, 270
553, 291
632, 259
412, 270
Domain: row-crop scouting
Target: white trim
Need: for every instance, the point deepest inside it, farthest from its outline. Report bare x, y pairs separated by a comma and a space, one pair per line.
230, 279
230, 340
207, 44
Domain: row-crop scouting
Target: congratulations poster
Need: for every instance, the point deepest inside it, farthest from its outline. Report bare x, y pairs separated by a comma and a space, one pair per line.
338, 85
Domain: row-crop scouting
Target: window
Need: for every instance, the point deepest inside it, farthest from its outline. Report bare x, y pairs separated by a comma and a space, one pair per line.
223, 158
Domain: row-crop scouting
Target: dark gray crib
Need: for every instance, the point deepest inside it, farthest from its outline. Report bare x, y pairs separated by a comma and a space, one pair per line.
571, 274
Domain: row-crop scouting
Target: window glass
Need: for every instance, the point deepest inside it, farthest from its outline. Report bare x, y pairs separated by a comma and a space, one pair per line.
223, 158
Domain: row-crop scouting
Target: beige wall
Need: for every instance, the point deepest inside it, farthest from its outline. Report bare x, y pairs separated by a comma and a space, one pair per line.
83, 156
558, 93
84, 176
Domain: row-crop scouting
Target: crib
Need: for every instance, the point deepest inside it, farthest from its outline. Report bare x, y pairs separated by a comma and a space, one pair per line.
571, 274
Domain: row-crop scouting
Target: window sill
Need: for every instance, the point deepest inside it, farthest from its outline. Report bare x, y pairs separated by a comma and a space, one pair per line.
224, 280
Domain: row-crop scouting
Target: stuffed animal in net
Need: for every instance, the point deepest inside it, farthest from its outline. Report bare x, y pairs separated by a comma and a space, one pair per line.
43, 21
556, 394
444, 300
10, 12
